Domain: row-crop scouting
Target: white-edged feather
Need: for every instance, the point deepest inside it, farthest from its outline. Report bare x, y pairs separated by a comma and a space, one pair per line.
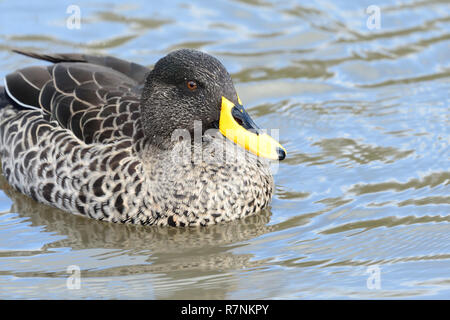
15, 99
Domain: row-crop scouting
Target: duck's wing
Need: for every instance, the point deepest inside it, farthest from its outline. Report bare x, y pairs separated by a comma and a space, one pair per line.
132, 70
97, 98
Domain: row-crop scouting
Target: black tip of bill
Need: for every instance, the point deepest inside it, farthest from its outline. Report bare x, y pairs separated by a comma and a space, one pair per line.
281, 153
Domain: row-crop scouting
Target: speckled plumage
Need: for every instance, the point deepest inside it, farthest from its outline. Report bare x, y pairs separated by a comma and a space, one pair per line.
80, 145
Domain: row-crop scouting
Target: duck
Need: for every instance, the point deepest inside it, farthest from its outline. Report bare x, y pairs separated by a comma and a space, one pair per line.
116, 141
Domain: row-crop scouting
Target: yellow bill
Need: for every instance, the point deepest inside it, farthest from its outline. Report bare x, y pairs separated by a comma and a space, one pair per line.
236, 125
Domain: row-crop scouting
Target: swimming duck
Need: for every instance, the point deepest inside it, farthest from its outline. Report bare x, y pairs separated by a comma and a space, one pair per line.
113, 140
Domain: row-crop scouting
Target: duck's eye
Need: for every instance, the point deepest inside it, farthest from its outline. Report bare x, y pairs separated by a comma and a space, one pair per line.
191, 84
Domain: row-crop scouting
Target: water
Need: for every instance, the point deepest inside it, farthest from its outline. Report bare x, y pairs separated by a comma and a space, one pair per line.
362, 203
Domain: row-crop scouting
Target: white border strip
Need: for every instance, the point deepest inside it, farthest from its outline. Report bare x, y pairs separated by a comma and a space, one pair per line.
15, 100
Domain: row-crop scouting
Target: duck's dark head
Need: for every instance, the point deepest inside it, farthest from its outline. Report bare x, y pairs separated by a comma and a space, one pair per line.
188, 87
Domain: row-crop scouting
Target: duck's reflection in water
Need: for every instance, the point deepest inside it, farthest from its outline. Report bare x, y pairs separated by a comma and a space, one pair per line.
169, 253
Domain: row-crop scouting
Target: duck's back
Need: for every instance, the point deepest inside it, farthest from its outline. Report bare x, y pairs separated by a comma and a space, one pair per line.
97, 98
66, 134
